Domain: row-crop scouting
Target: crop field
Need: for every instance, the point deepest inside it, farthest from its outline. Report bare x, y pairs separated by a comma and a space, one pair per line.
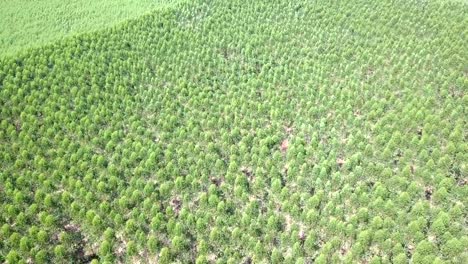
229, 131
31, 23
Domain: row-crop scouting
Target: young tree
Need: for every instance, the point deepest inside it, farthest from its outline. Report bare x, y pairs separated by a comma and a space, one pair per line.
164, 256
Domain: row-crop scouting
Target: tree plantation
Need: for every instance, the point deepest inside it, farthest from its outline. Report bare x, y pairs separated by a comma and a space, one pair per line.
216, 131
31, 23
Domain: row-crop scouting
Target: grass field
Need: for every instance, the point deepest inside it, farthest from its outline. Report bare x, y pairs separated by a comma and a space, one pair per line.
31, 23
241, 132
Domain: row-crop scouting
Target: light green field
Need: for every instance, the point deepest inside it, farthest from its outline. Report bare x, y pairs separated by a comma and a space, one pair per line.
30, 23
234, 131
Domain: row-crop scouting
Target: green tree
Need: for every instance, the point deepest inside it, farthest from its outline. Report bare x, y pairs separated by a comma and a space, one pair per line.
164, 256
